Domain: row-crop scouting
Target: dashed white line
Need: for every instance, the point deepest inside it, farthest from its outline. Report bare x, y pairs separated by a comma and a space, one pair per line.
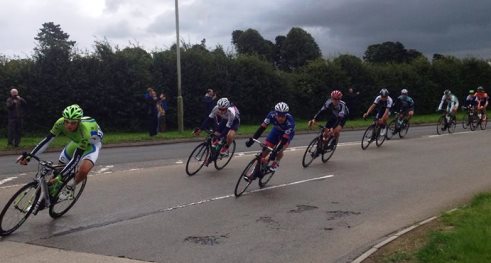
8, 179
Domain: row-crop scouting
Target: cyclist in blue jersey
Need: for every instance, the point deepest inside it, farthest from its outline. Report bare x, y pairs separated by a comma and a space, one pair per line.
383, 102
404, 105
84, 147
337, 118
280, 136
228, 122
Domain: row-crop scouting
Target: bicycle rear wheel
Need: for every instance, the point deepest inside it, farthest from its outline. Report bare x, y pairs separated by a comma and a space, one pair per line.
473, 122
311, 152
18, 208
61, 205
327, 154
250, 172
391, 129
440, 125
381, 138
222, 160
484, 122
197, 158
368, 136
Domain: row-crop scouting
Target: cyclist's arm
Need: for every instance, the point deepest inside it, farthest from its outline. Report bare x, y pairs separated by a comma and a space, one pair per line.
324, 108
440, 107
259, 131
43, 145
370, 109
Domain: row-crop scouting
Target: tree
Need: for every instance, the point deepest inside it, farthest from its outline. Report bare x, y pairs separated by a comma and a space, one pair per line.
250, 42
298, 48
53, 43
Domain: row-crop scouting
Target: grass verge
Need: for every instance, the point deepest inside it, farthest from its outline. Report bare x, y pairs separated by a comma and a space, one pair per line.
461, 236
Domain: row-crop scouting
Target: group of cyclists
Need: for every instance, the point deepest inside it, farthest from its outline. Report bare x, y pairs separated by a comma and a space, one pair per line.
86, 135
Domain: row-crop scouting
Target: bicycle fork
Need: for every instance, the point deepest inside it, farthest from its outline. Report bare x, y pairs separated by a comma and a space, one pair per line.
44, 196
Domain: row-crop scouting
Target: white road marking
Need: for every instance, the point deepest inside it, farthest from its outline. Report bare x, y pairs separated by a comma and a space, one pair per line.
179, 162
246, 193
8, 179
105, 168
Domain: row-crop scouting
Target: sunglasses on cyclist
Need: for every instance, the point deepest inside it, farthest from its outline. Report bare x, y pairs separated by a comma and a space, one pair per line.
72, 122
222, 109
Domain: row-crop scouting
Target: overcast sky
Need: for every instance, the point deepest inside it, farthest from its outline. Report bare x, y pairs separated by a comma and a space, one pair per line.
453, 27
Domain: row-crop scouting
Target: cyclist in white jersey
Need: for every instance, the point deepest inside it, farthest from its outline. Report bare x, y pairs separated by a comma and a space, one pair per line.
228, 122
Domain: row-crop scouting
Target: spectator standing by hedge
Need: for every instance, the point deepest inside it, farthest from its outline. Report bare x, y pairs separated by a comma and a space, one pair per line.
15, 107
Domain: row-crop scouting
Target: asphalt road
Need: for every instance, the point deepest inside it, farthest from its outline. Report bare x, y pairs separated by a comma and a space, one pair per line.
140, 204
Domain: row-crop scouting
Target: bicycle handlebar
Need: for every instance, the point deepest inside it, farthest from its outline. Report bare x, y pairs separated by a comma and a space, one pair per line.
262, 144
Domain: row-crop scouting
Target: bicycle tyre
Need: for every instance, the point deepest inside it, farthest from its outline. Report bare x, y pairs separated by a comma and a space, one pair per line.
310, 152
32, 192
60, 207
440, 124
465, 121
391, 129
327, 154
226, 159
242, 184
367, 137
200, 154
381, 138
451, 126
403, 132
484, 122
265, 178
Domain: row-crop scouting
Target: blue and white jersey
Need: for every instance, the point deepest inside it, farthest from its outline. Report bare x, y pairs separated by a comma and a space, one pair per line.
231, 114
288, 127
383, 104
340, 111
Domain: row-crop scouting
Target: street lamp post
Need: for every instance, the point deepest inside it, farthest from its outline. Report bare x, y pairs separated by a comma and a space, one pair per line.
180, 107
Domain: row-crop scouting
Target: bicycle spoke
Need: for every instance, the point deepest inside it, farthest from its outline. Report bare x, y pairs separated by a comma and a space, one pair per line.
18, 208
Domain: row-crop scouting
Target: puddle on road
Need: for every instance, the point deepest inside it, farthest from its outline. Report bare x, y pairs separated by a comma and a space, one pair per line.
303, 208
206, 240
340, 214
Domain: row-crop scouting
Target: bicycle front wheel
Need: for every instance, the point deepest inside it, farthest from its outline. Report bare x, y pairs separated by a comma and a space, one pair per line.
65, 199
197, 158
368, 136
223, 159
403, 131
311, 152
440, 125
249, 172
327, 154
465, 121
18, 208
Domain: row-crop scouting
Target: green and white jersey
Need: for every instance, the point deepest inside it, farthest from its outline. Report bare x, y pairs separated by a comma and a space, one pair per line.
87, 133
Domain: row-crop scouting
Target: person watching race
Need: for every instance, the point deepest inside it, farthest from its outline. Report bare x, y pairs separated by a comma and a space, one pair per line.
338, 113
84, 147
280, 135
382, 103
228, 124
452, 104
404, 105
482, 102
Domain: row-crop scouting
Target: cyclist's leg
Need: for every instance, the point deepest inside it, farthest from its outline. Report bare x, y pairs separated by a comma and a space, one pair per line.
410, 114
89, 158
231, 133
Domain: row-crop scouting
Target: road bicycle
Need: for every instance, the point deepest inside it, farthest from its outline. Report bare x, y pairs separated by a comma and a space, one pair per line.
399, 125
35, 196
470, 118
209, 152
373, 133
320, 146
257, 168
446, 122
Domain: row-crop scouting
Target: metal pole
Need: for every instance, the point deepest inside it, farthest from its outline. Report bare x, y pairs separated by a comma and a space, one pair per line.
180, 107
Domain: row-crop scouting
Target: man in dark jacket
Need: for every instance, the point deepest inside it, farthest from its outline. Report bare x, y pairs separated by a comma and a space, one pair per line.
15, 108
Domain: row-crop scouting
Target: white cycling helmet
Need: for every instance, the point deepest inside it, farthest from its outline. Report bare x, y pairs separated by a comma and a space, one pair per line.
223, 103
404, 91
281, 107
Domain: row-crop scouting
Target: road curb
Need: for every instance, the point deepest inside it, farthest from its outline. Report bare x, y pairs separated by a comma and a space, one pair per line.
391, 238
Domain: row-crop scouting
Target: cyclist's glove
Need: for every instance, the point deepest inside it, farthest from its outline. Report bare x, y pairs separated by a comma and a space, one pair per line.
249, 143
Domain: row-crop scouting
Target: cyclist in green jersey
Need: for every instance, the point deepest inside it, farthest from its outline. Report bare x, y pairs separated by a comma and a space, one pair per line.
83, 149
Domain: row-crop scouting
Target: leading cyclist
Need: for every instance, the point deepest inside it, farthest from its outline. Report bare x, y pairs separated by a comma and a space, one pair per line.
86, 142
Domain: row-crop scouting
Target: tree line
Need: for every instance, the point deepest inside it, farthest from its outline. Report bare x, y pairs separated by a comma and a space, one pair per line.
109, 81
